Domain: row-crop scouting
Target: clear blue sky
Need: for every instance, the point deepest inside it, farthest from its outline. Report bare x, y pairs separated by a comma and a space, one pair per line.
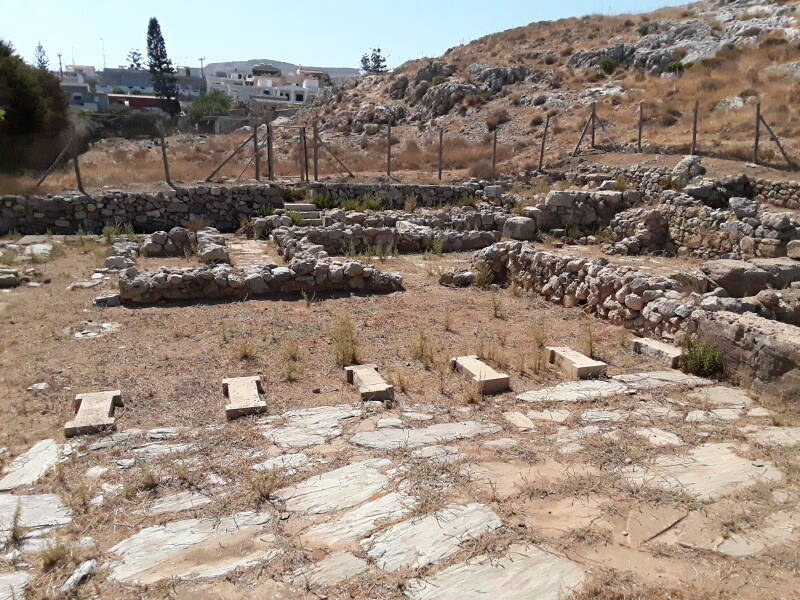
331, 33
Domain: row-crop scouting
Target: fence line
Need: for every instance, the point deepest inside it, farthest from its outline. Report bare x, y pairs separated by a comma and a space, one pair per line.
593, 121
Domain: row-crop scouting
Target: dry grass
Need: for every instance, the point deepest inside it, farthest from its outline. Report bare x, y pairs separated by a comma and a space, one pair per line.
345, 347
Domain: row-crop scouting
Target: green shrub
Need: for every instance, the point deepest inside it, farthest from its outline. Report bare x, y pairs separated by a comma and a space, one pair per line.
703, 358
324, 201
676, 67
608, 66
297, 220
438, 80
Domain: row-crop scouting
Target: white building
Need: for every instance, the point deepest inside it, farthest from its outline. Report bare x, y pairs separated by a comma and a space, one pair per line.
270, 88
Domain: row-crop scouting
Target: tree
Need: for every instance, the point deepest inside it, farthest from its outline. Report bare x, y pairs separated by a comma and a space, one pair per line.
40, 60
209, 105
34, 108
374, 62
162, 73
134, 60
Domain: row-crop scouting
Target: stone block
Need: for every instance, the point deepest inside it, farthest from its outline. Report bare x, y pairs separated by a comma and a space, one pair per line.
574, 364
243, 396
370, 384
300, 206
493, 191
520, 228
664, 352
489, 380
94, 412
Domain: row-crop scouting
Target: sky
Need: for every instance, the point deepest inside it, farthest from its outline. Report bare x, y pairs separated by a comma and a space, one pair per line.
329, 33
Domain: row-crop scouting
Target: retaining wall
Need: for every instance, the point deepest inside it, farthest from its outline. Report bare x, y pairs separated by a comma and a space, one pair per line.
757, 350
224, 207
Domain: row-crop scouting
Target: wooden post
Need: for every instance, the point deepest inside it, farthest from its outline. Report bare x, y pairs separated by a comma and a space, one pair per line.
256, 156
758, 132
641, 120
57, 160
302, 155
441, 151
583, 134
270, 165
694, 127
389, 149
230, 156
305, 151
494, 155
594, 118
164, 154
78, 174
544, 138
778, 143
315, 133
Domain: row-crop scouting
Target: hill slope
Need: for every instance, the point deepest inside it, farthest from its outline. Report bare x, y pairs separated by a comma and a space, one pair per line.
726, 55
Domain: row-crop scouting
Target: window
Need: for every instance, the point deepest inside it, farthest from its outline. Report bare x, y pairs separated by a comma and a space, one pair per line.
298, 97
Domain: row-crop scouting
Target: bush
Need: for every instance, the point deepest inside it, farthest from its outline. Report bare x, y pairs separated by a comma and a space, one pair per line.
608, 66
704, 359
438, 80
481, 169
35, 112
344, 343
212, 104
496, 119
676, 67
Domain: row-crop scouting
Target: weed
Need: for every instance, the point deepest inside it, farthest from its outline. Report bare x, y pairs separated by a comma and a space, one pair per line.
621, 183
398, 380
437, 245
56, 552
110, 232
265, 211
308, 299
246, 350
701, 357
497, 307
484, 276
345, 351
297, 220
264, 482
145, 481
198, 224
324, 201
15, 532
448, 322
423, 350
410, 204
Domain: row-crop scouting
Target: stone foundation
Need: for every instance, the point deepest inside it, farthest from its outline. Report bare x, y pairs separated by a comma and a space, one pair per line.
759, 351
226, 282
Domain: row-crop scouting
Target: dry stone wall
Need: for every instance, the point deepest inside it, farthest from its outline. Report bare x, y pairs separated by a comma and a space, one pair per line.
340, 239
223, 281
758, 350
222, 206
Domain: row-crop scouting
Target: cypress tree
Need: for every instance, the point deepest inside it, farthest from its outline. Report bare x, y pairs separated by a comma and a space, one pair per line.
162, 73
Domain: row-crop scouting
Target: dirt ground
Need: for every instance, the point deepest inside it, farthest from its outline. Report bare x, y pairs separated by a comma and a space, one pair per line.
168, 361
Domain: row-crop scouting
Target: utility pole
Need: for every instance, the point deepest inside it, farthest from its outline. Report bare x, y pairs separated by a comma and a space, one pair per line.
103, 42
202, 68
60, 67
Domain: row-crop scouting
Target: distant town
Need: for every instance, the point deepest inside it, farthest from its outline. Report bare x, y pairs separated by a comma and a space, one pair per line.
90, 89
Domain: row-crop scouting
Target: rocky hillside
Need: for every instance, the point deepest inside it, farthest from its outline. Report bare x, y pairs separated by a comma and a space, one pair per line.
728, 55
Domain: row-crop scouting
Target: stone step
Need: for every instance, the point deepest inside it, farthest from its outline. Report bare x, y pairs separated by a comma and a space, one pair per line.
312, 222
574, 364
370, 384
243, 395
489, 380
667, 353
94, 412
300, 206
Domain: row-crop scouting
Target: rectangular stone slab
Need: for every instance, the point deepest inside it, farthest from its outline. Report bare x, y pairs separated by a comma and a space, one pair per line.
667, 353
243, 395
574, 364
489, 380
370, 384
94, 412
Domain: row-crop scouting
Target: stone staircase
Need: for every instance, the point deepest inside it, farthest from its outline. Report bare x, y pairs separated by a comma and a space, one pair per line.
307, 211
